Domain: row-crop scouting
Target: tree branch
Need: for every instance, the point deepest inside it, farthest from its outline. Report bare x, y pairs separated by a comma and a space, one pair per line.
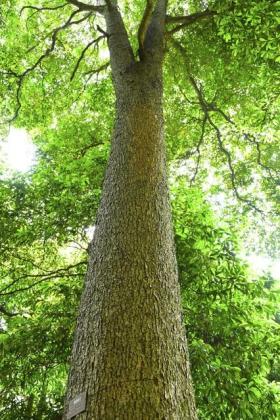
231, 168
144, 24
154, 38
206, 108
40, 9
84, 150
249, 137
23, 289
252, 140
4, 311
121, 52
97, 71
87, 7
187, 20
204, 121
190, 18
47, 275
95, 41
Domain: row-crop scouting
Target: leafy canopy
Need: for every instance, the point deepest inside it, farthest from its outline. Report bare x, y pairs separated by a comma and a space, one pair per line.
221, 98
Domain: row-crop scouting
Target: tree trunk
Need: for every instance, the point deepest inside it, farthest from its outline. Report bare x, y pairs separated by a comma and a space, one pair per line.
130, 352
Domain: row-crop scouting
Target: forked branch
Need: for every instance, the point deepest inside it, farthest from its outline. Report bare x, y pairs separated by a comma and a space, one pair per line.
121, 52
98, 70
249, 137
232, 172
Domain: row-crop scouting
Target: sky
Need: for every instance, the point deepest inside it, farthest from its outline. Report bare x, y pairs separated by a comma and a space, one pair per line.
19, 154
261, 263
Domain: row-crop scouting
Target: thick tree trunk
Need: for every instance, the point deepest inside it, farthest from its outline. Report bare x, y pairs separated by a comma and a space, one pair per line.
130, 351
130, 354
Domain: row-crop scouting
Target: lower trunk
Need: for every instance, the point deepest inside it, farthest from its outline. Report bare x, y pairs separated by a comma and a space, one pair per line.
130, 351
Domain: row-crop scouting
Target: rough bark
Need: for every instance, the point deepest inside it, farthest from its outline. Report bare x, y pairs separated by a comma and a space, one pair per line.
130, 352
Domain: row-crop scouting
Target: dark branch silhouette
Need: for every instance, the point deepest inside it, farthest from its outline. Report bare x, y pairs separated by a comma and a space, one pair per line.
47, 275
198, 146
97, 71
6, 312
209, 107
249, 137
43, 8
94, 42
86, 7
187, 20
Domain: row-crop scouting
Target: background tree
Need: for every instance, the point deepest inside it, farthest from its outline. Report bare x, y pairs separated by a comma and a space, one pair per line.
212, 98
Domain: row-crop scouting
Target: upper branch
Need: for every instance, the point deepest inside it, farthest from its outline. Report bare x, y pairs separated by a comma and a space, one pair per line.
90, 73
47, 275
94, 42
187, 20
270, 171
143, 27
86, 7
228, 156
154, 36
247, 136
40, 9
121, 53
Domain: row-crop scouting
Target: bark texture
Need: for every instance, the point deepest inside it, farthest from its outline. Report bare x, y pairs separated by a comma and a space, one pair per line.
130, 352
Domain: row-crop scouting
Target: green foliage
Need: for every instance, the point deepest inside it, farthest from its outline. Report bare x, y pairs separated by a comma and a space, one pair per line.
254, 24
233, 337
35, 350
40, 290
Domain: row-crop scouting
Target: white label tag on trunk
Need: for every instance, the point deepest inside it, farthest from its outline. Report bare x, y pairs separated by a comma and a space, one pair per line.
77, 405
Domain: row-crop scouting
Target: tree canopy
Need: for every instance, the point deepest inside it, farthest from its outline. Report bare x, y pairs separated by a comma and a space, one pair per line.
221, 97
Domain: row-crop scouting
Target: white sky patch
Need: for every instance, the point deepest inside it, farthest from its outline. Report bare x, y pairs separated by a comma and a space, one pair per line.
104, 53
90, 232
74, 248
3, 325
18, 151
260, 264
